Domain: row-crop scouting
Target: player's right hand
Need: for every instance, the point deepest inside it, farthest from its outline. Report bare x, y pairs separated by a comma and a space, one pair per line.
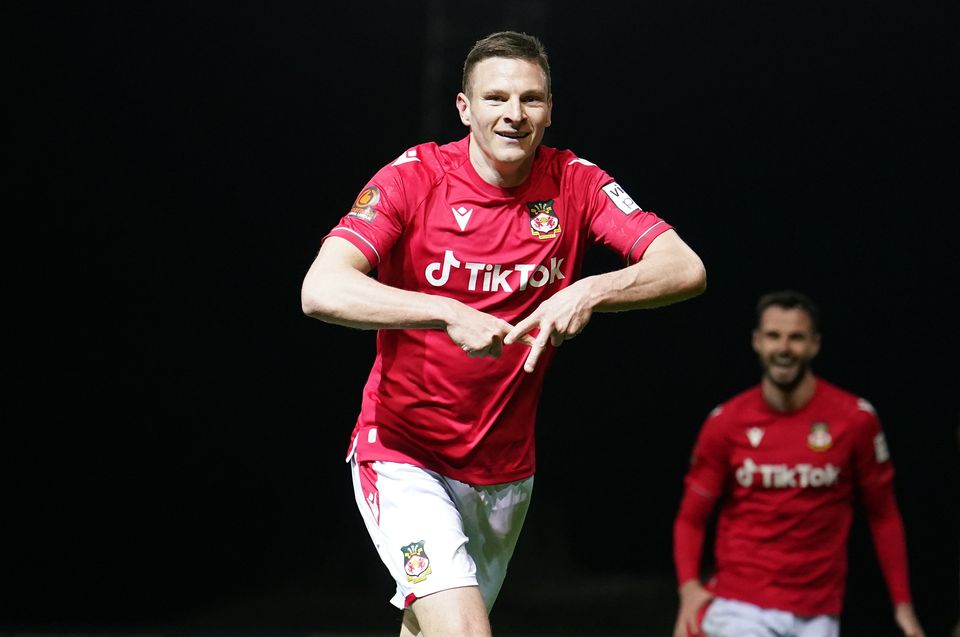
478, 333
693, 598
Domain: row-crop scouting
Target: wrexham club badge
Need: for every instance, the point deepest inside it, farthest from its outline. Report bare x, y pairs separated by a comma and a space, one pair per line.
819, 438
544, 222
415, 562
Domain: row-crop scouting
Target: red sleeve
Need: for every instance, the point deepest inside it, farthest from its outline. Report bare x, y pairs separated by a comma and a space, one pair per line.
889, 540
376, 219
615, 219
689, 529
703, 484
875, 481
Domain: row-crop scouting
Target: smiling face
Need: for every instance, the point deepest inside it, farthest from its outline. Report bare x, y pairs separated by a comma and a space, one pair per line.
507, 108
785, 343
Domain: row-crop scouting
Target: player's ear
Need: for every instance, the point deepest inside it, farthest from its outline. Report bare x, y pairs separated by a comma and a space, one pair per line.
549, 111
463, 106
815, 345
755, 340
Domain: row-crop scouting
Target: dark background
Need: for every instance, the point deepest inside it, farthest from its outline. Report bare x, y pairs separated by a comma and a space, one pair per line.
177, 427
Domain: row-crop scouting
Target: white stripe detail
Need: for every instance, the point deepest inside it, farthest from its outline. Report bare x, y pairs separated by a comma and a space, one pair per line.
630, 251
362, 238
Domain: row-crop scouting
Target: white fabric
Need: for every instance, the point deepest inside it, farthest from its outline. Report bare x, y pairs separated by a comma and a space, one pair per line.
468, 532
731, 618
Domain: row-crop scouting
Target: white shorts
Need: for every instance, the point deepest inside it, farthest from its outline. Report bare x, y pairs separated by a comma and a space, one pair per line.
731, 618
434, 533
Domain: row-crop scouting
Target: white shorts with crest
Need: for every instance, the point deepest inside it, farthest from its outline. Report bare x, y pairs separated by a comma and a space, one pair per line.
434, 533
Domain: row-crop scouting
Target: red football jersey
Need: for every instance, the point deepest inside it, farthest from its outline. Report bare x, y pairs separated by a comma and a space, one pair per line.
788, 481
427, 222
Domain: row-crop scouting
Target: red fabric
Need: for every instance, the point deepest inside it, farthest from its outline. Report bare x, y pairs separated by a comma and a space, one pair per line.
427, 222
787, 483
689, 529
889, 540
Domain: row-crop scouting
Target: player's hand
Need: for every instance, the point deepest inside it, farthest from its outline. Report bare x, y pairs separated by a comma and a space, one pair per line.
560, 318
478, 333
907, 620
693, 597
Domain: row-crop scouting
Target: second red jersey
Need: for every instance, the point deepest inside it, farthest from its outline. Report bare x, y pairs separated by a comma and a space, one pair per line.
789, 481
427, 222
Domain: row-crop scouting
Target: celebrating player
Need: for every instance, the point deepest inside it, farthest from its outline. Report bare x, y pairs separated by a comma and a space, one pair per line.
477, 247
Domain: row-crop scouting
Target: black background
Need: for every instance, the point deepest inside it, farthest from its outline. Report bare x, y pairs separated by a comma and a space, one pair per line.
177, 426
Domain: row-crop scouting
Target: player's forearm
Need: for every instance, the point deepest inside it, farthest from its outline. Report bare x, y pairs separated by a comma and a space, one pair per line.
350, 298
889, 538
654, 281
689, 531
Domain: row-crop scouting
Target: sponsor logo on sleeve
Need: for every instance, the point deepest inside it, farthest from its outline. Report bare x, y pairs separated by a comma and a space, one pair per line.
880, 449
416, 564
363, 207
620, 198
544, 222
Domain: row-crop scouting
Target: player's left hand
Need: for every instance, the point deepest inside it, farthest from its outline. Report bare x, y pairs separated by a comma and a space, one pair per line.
560, 318
907, 620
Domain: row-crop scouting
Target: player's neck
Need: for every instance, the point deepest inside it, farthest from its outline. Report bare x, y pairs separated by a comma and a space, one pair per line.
500, 174
785, 400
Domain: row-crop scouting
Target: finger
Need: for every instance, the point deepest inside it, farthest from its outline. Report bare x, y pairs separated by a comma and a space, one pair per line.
521, 330
536, 350
496, 347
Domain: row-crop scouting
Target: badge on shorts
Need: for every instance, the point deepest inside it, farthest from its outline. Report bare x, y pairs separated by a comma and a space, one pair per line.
819, 438
544, 222
416, 564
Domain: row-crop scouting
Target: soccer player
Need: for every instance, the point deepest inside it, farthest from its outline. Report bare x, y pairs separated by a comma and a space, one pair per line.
783, 460
477, 246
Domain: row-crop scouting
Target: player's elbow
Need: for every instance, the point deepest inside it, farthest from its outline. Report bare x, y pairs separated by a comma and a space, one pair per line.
692, 276
317, 298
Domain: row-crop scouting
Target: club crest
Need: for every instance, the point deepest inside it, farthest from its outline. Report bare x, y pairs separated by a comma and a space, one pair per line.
416, 564
544, 222
819, 438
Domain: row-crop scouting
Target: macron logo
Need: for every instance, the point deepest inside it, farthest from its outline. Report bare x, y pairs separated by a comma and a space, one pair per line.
462, 215
407, 157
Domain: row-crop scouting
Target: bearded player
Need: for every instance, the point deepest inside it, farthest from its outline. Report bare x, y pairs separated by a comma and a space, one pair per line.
783, 460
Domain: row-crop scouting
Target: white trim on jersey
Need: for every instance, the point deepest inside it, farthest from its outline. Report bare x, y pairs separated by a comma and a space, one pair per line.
640, 238
361, 237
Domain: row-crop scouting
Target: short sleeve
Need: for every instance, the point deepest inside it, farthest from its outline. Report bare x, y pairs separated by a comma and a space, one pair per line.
375, 220
618, 222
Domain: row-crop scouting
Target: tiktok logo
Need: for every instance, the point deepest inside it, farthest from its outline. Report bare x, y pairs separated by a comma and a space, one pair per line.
496, 277
448, 261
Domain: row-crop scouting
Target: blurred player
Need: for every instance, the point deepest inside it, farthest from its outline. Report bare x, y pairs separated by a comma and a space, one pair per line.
783, 460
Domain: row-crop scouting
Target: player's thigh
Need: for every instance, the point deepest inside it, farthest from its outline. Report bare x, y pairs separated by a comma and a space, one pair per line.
455, 611
415, 527
493, 517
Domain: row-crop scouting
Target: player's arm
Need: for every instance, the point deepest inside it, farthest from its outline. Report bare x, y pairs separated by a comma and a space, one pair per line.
336, 289
670, 271
689, 529
889, 541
